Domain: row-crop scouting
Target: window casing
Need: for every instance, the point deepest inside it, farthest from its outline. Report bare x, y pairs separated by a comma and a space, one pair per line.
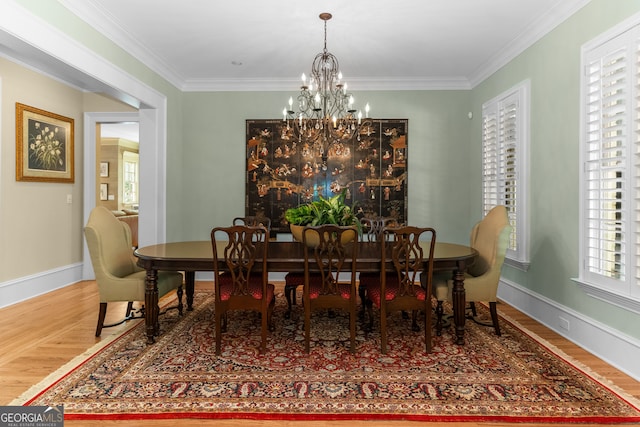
610, 173
505, 152
130, 178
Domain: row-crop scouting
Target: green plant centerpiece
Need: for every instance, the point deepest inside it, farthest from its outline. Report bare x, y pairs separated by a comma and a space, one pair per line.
333, 210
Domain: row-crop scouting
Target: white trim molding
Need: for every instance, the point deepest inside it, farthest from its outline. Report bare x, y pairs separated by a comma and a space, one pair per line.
608, 344
622, 301
24, 288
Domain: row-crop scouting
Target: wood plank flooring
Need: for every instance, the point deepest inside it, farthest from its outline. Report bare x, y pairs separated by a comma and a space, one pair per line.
40, 335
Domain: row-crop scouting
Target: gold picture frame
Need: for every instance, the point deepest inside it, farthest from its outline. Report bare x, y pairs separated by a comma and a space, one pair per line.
44, 146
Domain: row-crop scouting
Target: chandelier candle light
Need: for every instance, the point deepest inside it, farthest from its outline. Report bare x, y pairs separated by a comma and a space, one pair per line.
326, 110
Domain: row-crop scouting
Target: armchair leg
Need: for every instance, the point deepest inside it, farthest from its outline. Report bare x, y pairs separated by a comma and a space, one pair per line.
131, 314
494, 317
102, 314
179, 293
129, 309
472, 306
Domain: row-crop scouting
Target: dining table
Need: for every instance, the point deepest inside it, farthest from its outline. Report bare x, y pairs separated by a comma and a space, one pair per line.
285, 256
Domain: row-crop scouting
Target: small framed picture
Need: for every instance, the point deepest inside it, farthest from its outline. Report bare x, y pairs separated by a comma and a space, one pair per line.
104, 169
104, 191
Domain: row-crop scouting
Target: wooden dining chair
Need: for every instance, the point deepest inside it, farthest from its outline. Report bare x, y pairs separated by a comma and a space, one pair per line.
410, 250
325, 267
371, 232
241, 277
253, 221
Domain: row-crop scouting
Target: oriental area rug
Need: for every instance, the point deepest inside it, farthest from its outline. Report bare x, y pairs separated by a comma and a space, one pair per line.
516, 378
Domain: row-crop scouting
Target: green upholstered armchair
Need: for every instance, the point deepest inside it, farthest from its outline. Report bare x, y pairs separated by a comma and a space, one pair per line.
490, 237
117, 275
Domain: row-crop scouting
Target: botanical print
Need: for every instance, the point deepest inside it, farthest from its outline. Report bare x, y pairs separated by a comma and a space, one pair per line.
44, 145
47, 146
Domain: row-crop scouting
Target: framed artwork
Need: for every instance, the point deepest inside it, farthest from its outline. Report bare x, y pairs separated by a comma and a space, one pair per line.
104, 169
283, 172
44, 146
104, 191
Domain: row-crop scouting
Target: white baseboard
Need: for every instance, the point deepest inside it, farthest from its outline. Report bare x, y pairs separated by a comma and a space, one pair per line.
23, 288
610, 345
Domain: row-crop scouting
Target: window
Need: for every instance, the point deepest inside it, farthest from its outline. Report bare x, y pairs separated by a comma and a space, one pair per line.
505, 149
130, 178
610, 173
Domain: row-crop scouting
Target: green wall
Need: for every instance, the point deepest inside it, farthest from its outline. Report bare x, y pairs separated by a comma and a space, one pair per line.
553, 67
214, 156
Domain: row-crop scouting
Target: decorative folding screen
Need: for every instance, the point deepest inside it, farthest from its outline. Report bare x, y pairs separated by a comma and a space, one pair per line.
283, 173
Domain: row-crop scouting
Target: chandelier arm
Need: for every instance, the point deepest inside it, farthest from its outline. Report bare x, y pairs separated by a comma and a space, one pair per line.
326, 114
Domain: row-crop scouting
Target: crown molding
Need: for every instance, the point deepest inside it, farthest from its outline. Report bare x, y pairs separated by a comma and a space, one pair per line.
530, 35
92, 13
359, 84
98, 18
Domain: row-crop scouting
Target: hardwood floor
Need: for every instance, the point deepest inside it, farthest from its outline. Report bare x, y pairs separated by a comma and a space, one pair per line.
40, 335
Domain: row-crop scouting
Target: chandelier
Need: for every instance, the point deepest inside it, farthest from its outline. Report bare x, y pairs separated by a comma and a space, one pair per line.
326, 114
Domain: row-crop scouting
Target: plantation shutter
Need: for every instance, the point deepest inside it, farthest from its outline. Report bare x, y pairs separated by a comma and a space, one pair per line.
500, 158
509, 129
490, 160
611, 162
635, 88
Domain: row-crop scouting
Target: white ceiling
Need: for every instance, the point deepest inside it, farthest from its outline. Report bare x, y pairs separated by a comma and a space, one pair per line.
267, 44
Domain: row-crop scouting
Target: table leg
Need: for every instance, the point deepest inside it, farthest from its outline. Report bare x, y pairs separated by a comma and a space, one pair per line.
459, 303
151, 305
189, 284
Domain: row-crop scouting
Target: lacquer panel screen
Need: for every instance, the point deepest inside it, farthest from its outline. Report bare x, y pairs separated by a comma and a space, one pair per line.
283, 172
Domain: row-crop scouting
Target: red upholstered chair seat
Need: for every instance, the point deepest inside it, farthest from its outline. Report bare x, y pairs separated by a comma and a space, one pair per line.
391, 291
255, 287
315, 286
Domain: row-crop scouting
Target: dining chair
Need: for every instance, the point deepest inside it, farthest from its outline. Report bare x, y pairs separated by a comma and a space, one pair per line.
325, 267
241, 277
490, 237
371, 232
117, 275
253, 221
410, 251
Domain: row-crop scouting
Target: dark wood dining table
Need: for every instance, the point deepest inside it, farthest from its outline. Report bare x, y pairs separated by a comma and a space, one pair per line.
284, 256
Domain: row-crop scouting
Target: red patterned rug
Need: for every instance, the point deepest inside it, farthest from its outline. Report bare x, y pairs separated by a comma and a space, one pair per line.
514, 378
